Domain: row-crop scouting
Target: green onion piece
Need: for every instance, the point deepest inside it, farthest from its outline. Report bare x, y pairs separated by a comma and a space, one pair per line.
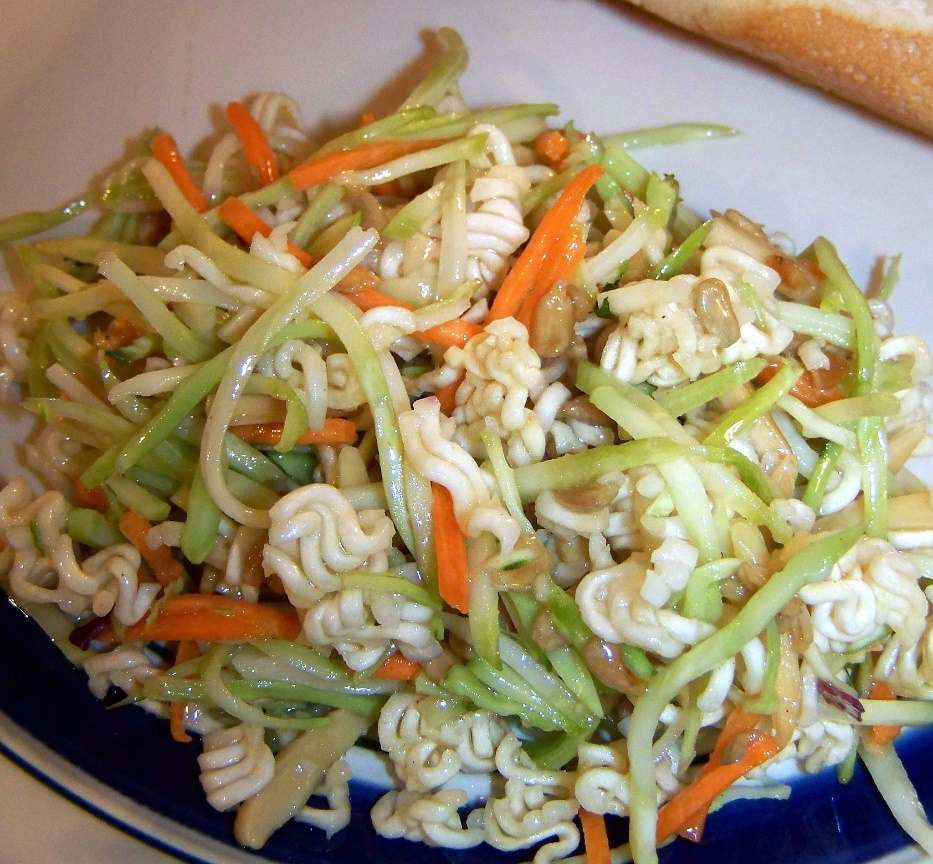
319, 205
26, 224
811, 564
202, 523
736, 422
676, 260
91, 528
442, 79
677, 401
766, 701
663, 136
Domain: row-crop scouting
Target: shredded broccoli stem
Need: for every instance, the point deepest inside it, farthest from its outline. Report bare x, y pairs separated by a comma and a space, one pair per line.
443, 78
505, 478
416, 214
678, 400
676, 260
321, 201
736, 422
24, 225
663, 136
766, 700
810, 565
891, 276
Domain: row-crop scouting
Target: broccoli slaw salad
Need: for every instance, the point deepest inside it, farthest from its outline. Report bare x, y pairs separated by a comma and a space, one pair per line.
460, 437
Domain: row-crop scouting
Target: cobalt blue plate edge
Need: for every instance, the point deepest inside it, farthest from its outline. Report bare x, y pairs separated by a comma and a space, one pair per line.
122, 765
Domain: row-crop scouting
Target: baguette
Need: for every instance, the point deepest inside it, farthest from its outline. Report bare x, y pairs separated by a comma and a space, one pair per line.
877, 53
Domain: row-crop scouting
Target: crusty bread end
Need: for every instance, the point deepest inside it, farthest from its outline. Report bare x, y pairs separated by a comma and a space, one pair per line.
877, 53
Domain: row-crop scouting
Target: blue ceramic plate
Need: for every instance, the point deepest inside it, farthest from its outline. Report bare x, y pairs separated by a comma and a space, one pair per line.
79, 79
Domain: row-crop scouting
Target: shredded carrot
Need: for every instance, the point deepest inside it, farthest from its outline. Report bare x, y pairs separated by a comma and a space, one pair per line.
552, 146
397, 667
253, 140
686, 812
391, 189
524, 273
595, 838
559, 266
326, 167
119, 332
367, 297
815, 386
447, 396
451, 333
212, 618
187, 650
246, 224
93, 499
165, 150
164, 565
366, 118
883, 734
336, 430
452, 578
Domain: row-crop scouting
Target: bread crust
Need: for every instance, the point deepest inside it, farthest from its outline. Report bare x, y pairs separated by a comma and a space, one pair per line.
879, 56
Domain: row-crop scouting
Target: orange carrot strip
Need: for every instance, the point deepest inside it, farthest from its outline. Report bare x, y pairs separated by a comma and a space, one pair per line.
326, 167
253, 140
93, 499
686, 812
366, 298
336, 430
366, 118
559, 266
447, 396
815, 387
246, 224
521, 278
450, 333
883, 734
552, 146
211, 627
454, 333
164, 565
119, 332
165, 150
397, 667
595, 838
187, 650
453, 582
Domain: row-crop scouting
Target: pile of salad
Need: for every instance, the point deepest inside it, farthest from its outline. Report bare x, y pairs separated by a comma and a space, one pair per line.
460, 437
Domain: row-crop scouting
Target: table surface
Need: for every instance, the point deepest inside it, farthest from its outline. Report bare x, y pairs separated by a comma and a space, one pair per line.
67, 833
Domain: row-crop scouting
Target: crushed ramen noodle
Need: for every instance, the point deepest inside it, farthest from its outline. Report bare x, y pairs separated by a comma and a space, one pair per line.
460, 436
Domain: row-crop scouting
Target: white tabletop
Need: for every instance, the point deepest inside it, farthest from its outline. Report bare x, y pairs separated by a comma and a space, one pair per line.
39, 827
